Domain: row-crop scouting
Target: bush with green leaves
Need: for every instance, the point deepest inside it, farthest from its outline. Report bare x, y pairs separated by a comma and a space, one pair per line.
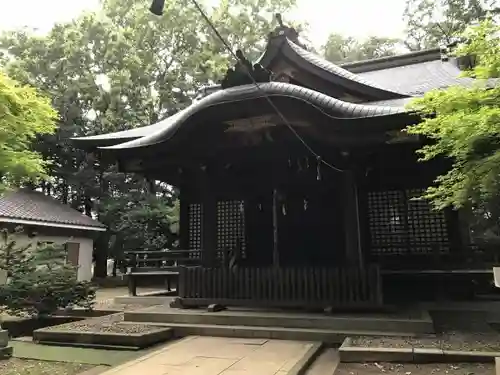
39, 280
463, 125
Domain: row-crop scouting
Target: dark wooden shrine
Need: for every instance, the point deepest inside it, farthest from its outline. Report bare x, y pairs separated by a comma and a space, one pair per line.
305, 202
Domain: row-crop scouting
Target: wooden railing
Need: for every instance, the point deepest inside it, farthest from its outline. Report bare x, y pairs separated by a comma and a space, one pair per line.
284, 287
151, 261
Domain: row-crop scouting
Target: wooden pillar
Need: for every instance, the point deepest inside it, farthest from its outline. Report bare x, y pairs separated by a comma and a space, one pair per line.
276, 254
209, 221
354, 253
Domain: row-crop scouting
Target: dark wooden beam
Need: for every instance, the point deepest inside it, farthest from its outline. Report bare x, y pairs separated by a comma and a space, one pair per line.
353, 239
209, 220
276, 254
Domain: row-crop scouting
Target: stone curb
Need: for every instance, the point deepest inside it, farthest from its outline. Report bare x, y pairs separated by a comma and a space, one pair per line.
138, 340
6, 352
351, 354
307, 359
95, 370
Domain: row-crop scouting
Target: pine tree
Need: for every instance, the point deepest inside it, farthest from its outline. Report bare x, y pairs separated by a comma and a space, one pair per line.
40, 281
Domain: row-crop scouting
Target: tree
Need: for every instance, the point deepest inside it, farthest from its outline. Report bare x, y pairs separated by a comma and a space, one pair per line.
40, 281
462, 125
342, 49
122, 67
24, 114
433, 23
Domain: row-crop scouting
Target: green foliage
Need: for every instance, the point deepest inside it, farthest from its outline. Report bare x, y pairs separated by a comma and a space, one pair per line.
433, 23
342, 49
40, 281
122, 67
463, 125
141, 220
24, 114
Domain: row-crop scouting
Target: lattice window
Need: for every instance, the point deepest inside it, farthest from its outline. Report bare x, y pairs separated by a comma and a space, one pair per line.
231, 226
400, 225
195, 226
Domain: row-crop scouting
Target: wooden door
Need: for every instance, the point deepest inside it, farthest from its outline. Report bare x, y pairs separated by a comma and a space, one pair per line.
72, 253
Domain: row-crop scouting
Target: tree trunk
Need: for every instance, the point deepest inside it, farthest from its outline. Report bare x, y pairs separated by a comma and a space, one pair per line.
101, 256
115, 263
65, 192
88, 206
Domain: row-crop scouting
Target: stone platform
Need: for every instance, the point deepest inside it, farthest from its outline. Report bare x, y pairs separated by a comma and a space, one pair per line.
104, 332
288, 325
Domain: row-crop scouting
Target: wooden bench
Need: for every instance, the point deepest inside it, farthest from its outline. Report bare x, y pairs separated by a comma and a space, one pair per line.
167, 275
160, 265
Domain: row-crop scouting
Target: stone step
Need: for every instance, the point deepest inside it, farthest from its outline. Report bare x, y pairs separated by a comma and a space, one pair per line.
298, 334
325, 364
90, 346
419, 323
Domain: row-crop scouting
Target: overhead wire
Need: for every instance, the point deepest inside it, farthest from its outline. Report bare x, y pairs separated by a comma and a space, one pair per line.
318, 157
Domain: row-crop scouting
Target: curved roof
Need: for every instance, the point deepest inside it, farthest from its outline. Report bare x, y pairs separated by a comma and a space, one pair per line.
109, 139
412, 74
328, 106
328, 71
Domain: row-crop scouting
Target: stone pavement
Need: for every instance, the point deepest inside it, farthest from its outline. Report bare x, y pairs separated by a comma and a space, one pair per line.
196, 355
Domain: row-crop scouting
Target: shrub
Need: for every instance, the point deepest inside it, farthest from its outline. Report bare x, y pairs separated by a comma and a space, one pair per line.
40, 281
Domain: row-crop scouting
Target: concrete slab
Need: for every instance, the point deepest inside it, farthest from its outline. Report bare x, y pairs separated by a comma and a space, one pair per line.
198, 355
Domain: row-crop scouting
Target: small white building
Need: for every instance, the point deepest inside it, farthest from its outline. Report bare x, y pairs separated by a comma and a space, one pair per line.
45, 219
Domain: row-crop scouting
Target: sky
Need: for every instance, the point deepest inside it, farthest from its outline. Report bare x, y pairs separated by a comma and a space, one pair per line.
359, 18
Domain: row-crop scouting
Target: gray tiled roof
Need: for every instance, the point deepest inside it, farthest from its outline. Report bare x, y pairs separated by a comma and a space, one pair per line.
27, 205
417, 79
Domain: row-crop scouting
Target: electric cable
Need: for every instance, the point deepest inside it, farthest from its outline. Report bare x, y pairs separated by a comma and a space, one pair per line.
318, 157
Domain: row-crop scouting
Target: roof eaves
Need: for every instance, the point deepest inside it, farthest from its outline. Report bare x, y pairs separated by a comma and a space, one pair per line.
98, 228
241, 93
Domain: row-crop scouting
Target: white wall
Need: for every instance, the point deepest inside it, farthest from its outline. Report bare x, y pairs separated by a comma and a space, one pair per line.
85, 253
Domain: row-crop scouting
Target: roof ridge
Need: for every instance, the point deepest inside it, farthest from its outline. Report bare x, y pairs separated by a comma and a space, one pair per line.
395, 61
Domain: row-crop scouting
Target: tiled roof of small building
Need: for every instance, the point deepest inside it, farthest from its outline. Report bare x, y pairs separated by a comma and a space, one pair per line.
25, 206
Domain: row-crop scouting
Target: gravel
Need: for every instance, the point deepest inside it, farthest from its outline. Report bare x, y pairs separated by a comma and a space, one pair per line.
461, 341
16, 366
107, 324
413, 369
